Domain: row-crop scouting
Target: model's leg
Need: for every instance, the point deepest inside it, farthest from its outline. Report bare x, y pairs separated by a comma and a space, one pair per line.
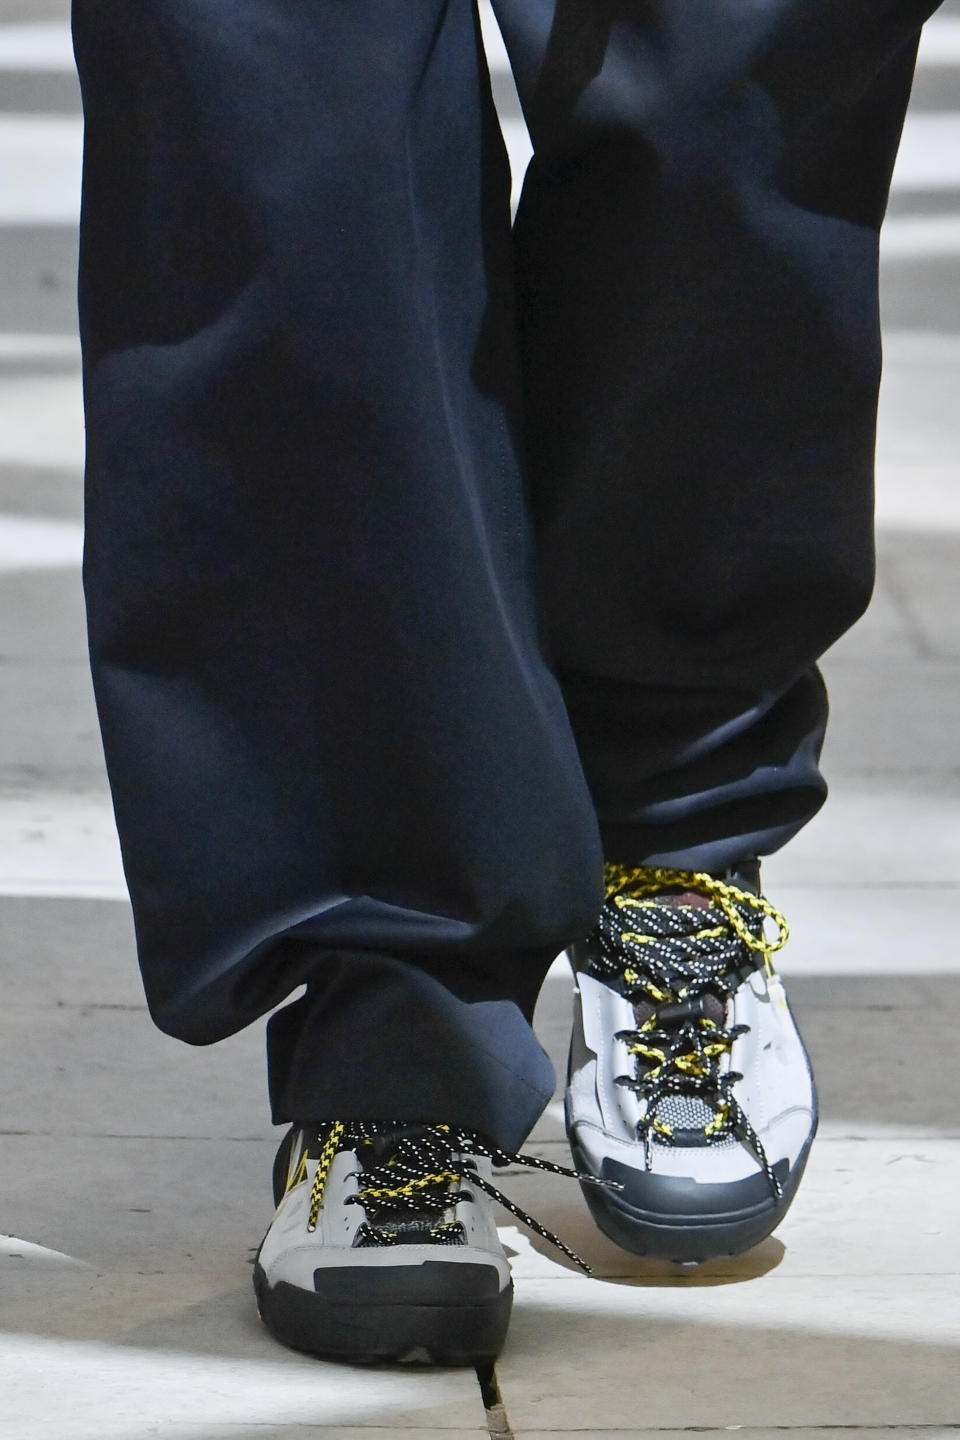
336, 753
697, 252
697, 245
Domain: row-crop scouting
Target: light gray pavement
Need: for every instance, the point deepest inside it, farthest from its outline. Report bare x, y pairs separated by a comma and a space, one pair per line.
134, 1172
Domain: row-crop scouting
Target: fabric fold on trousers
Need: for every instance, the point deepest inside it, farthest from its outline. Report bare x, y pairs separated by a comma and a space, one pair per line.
371, 1030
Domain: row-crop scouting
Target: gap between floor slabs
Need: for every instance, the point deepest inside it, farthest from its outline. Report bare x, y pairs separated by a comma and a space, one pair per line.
746, 1431
497, 1422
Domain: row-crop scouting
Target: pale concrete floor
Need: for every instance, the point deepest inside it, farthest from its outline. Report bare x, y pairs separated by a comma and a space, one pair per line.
135, 1171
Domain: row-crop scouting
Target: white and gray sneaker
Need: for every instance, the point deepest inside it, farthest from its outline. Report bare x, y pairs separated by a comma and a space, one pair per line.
384, 1244
688, 1083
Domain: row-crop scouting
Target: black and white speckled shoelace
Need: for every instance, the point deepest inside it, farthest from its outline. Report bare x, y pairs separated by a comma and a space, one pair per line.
412, 1174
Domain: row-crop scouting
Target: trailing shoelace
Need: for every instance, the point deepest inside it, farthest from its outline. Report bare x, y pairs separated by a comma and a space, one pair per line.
678, 962
412, 1174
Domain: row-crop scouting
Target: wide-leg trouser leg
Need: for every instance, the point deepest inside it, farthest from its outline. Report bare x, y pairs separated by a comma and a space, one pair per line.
697, 253
336, 753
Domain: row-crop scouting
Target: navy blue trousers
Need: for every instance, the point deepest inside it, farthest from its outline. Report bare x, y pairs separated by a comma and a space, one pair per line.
429, 560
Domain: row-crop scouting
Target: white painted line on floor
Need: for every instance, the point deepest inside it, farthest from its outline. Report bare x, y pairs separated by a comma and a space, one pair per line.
41, 421
13, 1249
929, 156
920, 237
875, 1308
919, 424
919, 497
940, 43
95, 1391
875, 831
58, 844
519, 150
28, 543
44, 46
40, 159
31, 348
493, 44
68, 888
932, 348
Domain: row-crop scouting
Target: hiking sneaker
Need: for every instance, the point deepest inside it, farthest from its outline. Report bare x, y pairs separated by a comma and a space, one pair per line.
384, 1246
688, 1082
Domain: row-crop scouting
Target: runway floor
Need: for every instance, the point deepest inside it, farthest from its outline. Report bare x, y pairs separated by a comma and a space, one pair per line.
134, 1173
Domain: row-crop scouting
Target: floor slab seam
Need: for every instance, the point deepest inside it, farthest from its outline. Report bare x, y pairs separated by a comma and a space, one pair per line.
498, 1423
892, 1429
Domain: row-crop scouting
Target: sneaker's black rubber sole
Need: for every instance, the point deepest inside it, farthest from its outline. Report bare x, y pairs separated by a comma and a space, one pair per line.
695, 1228
369, 1332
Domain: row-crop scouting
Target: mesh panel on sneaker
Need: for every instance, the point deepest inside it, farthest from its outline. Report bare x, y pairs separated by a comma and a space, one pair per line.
685, 1112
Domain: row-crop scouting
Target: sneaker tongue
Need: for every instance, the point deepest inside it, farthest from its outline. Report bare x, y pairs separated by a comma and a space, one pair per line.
379, 1148
377, 1151
643, 1009
410, 1229
686, 897
712, 1007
